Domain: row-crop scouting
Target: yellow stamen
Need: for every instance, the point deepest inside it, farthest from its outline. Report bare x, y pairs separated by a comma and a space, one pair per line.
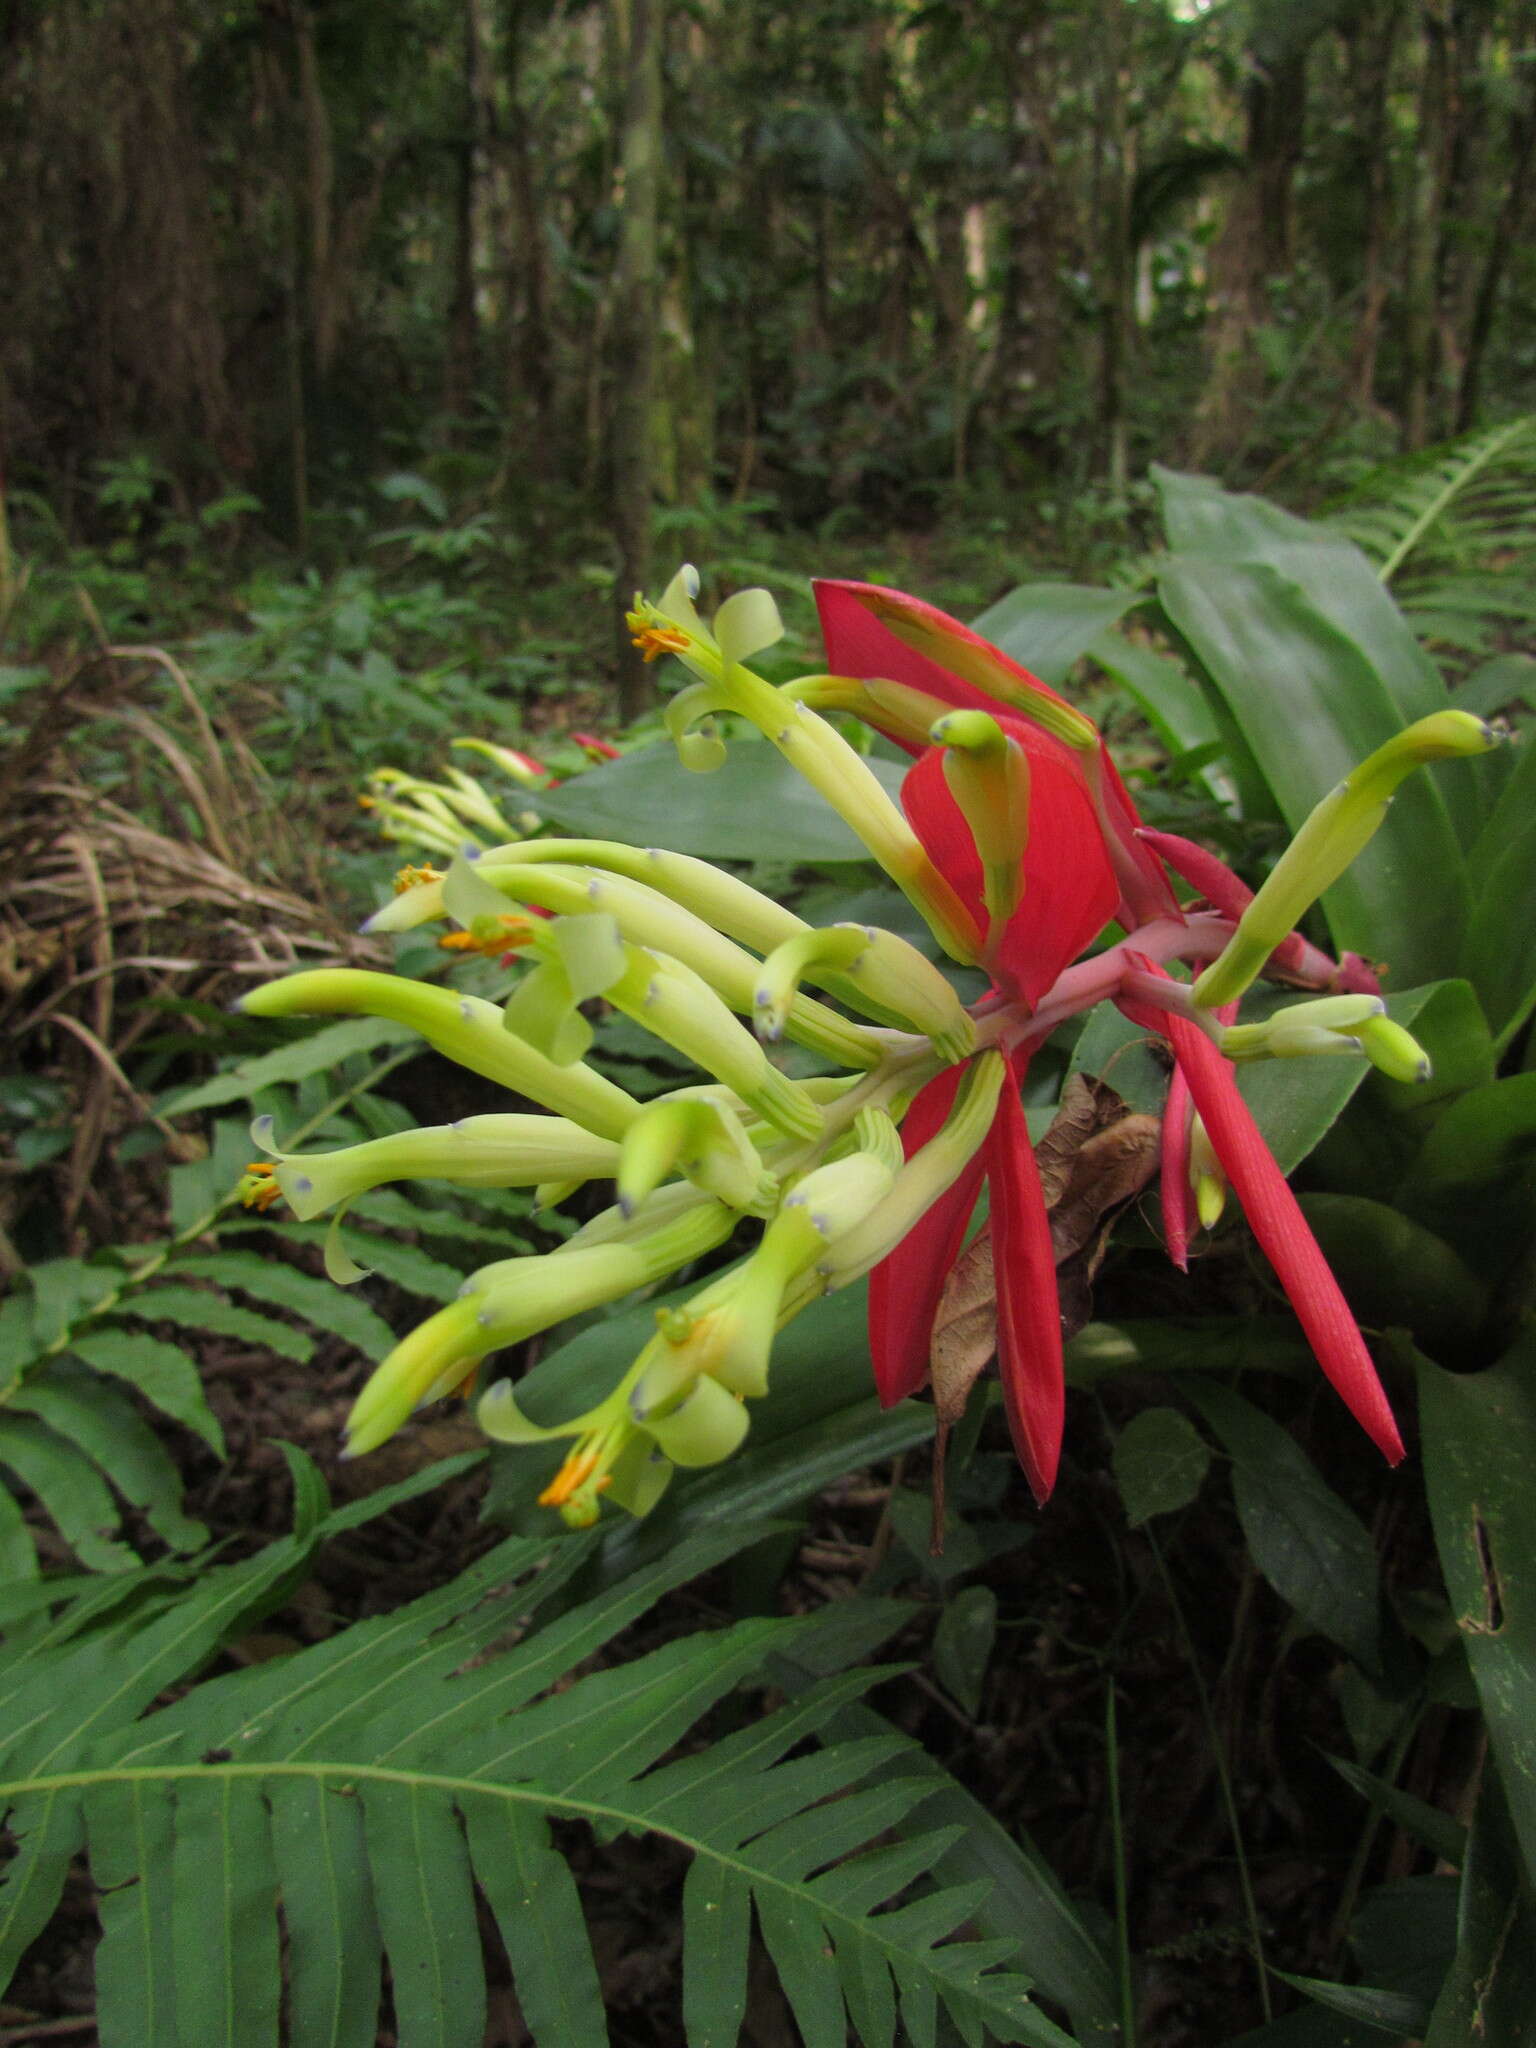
413, 878
259, 1189
654, 641
571, 1478
510, 933
367, 803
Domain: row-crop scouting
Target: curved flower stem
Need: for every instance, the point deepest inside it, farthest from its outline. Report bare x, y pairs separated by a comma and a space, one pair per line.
1015, 1028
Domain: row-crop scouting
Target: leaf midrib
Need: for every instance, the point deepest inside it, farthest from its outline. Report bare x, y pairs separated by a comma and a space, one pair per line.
864, 1927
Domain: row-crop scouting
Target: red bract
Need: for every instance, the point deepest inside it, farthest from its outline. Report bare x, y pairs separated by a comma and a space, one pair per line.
1275, 1218
1069, 886
872, 633
1070, 892
1086, 860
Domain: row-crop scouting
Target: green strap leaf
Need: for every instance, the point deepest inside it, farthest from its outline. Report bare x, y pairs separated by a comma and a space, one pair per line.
1311, 707
1314, 1550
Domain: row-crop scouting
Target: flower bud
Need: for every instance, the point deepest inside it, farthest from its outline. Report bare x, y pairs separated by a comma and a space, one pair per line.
892, 977
680, 1007
1340, 827
1393, 1051
1328, 1025
701, 1138
494, 1151
1207, 1175
464, 1028
988, 777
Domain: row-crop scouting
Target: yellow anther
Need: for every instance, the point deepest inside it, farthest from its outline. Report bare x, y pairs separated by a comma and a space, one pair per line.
654, 641
413, 878
258, 1187
367, 803
490, 937
571, 1478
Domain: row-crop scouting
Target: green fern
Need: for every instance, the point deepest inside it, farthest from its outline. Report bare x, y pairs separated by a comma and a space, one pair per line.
263, 1846
1454, 531
91, 1343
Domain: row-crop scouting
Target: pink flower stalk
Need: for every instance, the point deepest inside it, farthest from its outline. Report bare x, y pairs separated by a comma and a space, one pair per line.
1298, 960
1277, 1222
1086, 859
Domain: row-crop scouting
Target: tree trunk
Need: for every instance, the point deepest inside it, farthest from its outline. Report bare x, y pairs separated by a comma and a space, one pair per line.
1116, 326
636, 284
320, 192
1521, 159
1371, 39
1028, 356
529, 369
462, 359
1253, 245
1420, 267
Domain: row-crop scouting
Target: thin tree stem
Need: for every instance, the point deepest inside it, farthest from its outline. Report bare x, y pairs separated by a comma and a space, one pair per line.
1117, 1835
1223, 1778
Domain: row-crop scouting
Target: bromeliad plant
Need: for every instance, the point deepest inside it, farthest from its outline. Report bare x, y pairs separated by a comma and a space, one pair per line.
1020, 847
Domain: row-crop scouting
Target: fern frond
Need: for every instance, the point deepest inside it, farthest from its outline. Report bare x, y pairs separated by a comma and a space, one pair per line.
1448, 502
199, 1309
318, 1302
353, 1798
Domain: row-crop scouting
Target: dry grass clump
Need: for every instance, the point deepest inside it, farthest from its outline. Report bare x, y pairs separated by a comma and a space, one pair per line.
169, 885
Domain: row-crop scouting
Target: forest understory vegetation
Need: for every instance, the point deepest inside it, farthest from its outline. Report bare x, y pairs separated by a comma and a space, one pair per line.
1106, 439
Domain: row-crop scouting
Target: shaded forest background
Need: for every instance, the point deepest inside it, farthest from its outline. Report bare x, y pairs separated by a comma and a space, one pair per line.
594, 275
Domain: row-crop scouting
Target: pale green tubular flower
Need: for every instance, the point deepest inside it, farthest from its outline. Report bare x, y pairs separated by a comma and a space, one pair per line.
895, 709
1339, 829
1336, 1024
512, 1299
679, 1007
724, 904
441, 815
923, 1178
496, 1151
682, 1402
644, 915
745, 625
466, 1028
702, 1137
886, 971
521, 768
